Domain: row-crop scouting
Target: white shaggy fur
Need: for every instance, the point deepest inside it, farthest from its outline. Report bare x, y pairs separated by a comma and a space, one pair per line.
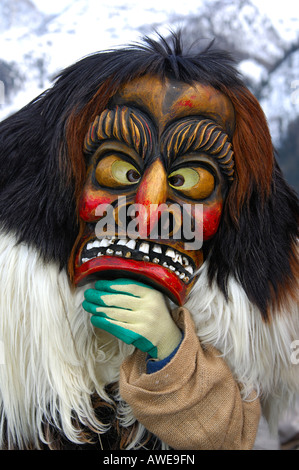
54, 359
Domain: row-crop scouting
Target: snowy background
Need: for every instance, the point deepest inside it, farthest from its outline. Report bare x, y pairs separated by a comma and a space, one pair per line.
40, 37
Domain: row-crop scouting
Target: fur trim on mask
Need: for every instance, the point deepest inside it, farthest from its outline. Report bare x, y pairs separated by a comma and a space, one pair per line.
54, 361
245, 301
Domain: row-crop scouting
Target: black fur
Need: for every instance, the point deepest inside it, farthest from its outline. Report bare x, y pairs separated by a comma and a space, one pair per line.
35, 201
257, 252
38, 205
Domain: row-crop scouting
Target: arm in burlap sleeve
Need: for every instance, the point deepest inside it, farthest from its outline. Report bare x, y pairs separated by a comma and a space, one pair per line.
193, 402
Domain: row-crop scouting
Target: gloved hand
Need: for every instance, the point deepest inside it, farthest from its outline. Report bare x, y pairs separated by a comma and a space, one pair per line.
135, 313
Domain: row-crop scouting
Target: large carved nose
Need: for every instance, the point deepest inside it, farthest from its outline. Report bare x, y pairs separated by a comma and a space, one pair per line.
151, 193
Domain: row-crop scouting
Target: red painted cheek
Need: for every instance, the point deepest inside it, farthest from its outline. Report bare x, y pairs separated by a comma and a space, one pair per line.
186, 103
211, 220
88, 205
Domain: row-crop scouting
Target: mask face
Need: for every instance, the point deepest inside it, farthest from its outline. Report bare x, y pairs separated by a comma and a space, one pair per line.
159, 164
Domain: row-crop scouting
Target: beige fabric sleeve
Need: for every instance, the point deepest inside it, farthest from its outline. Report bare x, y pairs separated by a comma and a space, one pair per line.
193, 403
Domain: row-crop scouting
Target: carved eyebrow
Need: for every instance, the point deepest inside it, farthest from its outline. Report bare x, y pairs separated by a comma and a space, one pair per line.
194, 134
123, 124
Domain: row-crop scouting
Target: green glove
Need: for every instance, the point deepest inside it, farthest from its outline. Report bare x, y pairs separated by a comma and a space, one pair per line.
134, 313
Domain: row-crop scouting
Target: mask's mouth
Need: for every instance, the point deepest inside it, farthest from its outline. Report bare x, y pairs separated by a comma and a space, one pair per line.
140, 250
160, 265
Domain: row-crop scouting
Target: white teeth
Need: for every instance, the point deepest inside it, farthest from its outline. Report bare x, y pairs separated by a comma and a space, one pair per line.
105, 242
122, 241
170, 252
144, 247
94, 244
131, 244
185, 261
178, 258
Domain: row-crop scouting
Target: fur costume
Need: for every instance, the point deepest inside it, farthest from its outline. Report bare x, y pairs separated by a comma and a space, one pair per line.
58, 383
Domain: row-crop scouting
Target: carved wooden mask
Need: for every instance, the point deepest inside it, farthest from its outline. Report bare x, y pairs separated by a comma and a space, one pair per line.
164, 148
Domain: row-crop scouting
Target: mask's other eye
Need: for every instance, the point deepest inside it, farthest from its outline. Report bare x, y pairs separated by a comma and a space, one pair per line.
113, 171
195, 183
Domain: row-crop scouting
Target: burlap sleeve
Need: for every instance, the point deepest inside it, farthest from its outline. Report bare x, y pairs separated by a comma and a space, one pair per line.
193, 403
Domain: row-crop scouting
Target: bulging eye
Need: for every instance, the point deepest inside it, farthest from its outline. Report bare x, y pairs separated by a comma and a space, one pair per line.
124, 172
196, 183
113, 171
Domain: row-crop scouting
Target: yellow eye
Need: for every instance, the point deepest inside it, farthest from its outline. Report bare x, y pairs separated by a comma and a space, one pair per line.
196, 183
112, 171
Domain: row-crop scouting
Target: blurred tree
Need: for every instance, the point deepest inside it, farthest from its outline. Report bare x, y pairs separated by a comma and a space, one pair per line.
10, 77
